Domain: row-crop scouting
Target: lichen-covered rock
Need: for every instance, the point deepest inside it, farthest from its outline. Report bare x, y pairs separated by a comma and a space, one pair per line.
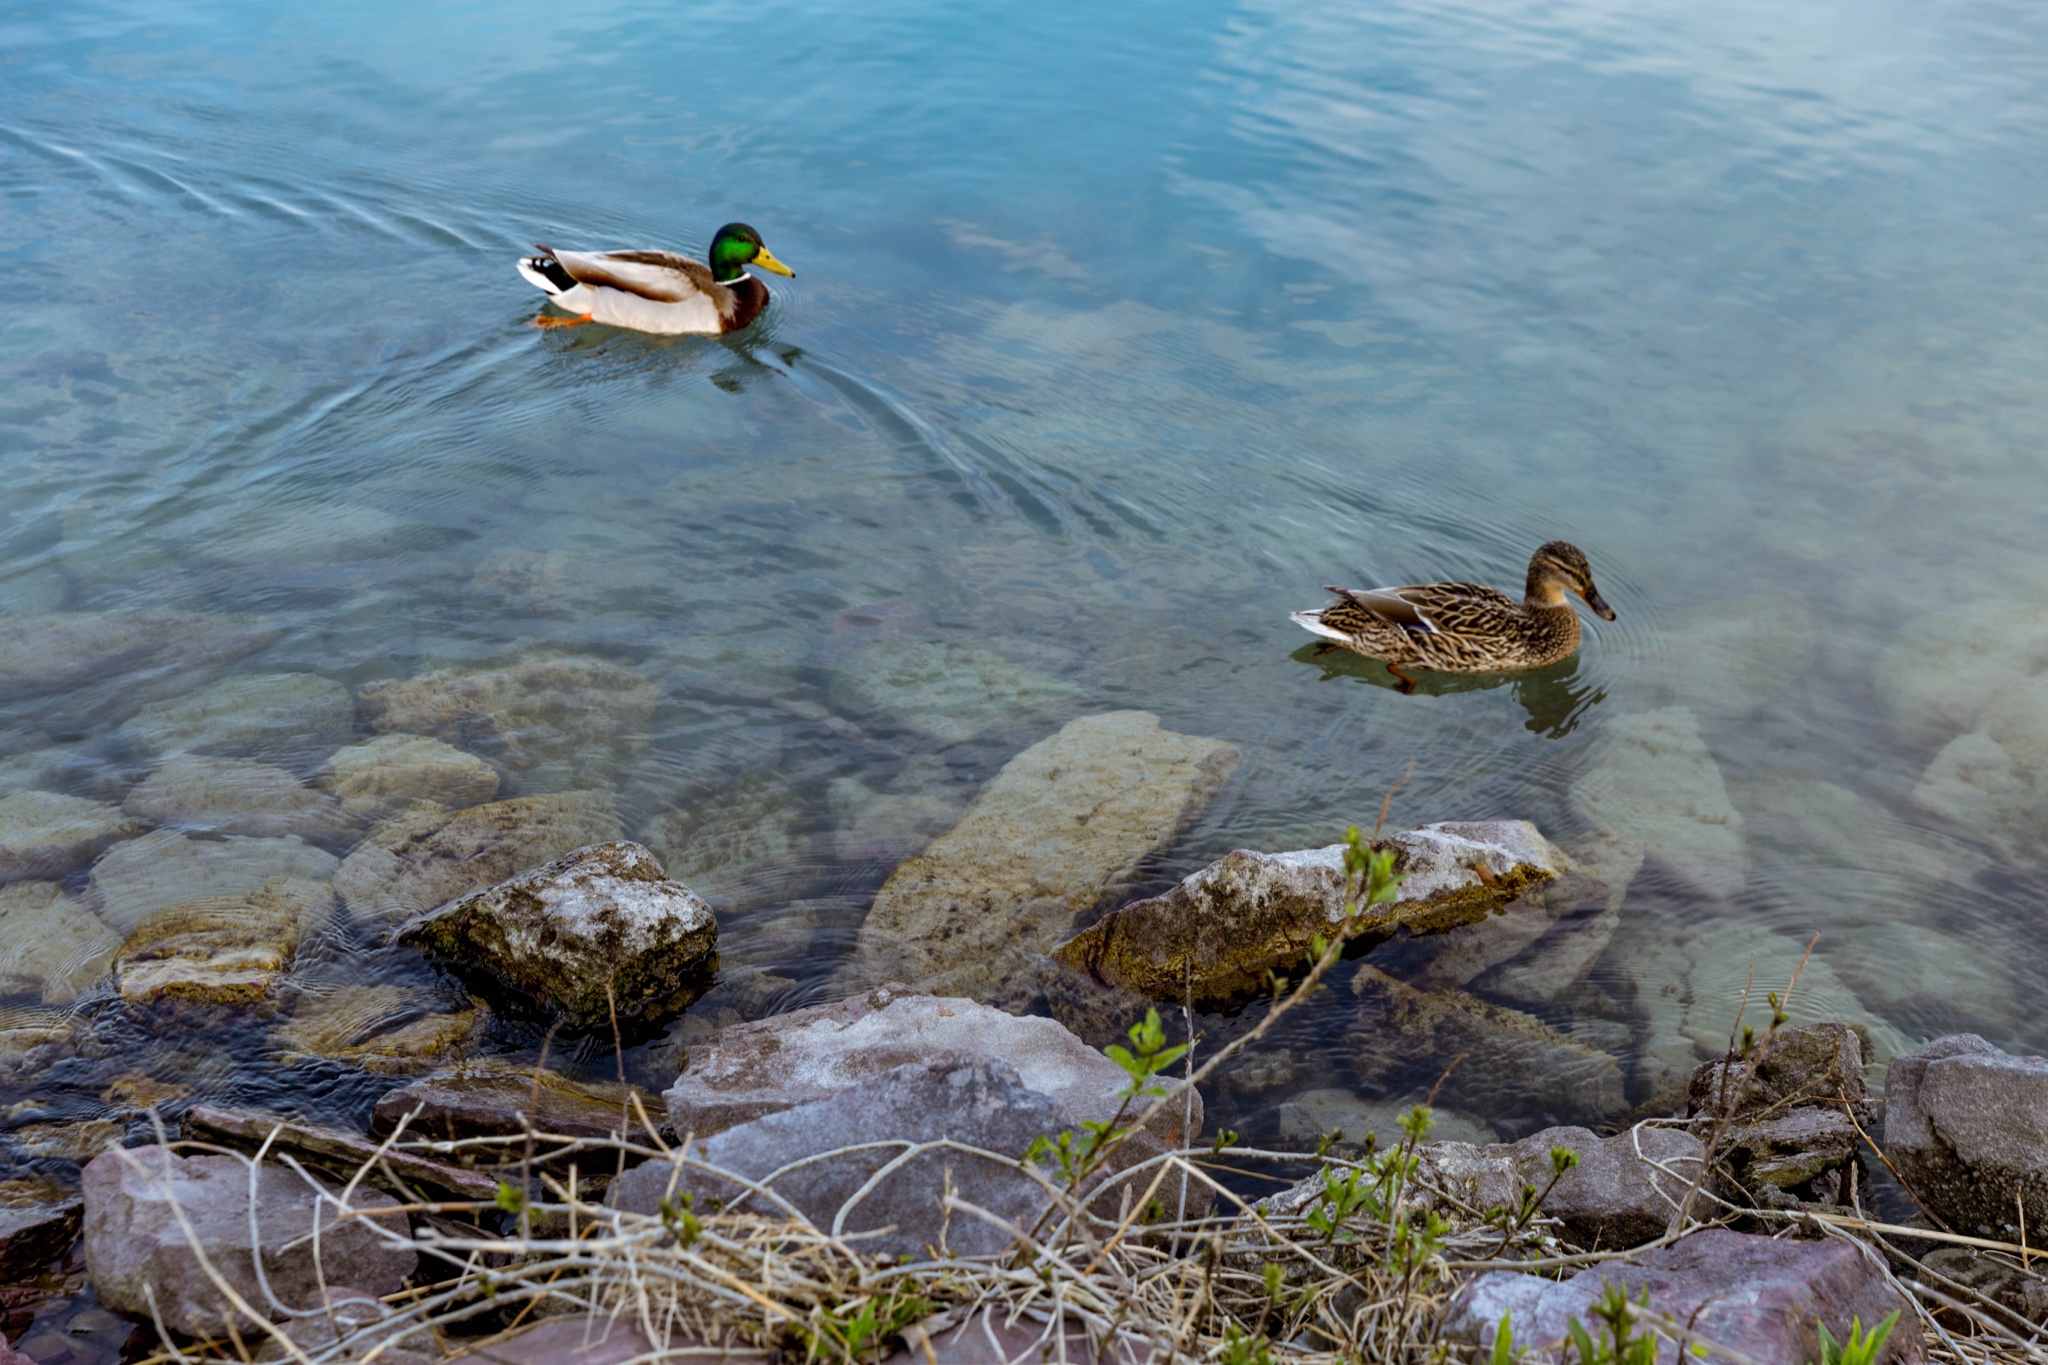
45, 834
140, 1257
384, 774
52, 947
55, 653
601, 934
1652, 784
1223, 930
1764, 1297
225, 950
1514, 1065
804, 1055
235, 796
410, 865
1966, 1127
278, 716
165, 868
385, 1030
576, 717
1058, 829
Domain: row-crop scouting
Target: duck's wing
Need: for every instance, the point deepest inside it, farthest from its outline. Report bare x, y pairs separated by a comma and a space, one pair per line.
1425, 608
661, 276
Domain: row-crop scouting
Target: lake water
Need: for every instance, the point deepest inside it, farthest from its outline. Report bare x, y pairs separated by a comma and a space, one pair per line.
1117, 333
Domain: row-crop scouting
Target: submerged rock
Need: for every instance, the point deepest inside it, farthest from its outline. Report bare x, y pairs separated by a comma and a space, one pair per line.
1995, 778
32, 1041
224, 950
52, 947
1513, 1064
1941, 672
418, 861
804, 1055
1651, 782
596, 937
1761, 1296
1312, 1115
235, 796
140, 1258
950, 691
165, 868
39, 1220
55, 653
44, 834
385, 1030
282, 716
1966, 1127
738, 847
1059, 828
492, 1097
577, 717
1222, 931
385, 774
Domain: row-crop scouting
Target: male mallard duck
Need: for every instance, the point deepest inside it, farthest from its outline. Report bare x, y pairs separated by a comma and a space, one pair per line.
657, 291
1463, 627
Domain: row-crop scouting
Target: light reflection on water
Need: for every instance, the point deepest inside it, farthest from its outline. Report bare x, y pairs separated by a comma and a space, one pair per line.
1116, 335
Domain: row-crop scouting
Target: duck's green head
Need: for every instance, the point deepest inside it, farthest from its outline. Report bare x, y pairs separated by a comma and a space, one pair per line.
738, 245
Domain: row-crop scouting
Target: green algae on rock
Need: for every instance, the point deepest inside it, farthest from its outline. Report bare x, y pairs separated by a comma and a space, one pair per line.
1218, 935
385, 1030
1059, 828
597, 936
224, 950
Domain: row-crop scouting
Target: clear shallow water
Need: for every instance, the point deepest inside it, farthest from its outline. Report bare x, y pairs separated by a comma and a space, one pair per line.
1116, 335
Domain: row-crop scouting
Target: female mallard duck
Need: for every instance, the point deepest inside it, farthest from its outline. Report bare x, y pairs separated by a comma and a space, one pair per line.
1463, 627
657, 291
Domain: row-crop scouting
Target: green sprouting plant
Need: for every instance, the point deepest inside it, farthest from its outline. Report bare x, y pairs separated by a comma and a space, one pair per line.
1342, 1197
1504, 1349
678, 1218
1075, 1156
510, 1198
857, 1331
1618, 1343
1858, 1349
1243, 1348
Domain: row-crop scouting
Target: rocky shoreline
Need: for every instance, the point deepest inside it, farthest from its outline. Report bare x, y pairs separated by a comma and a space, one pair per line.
430, 882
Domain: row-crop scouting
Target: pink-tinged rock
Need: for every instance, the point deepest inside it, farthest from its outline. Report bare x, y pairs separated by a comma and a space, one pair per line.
595, 1341
1966, 1124
1757, 1295
990, 1337
791, 1059
136, 1247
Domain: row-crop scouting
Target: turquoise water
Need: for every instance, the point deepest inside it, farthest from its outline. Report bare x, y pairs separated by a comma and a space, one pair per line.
1117, 332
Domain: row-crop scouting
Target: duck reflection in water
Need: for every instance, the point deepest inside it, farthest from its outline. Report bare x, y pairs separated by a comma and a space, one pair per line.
1555, 697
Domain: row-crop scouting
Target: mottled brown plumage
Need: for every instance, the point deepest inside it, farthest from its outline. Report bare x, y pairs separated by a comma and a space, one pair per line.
1464, 627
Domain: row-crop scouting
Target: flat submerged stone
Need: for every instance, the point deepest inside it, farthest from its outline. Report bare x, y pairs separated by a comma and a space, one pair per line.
1056, 831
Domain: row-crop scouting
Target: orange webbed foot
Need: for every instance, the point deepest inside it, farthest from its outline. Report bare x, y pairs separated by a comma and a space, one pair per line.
549, 320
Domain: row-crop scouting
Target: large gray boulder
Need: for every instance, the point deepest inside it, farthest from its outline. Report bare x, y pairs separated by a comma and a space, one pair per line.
1223, 930
138, 1251
1758, 1295
805, 1055
953, 1096
597, 935
1966, 1126
1063, 825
